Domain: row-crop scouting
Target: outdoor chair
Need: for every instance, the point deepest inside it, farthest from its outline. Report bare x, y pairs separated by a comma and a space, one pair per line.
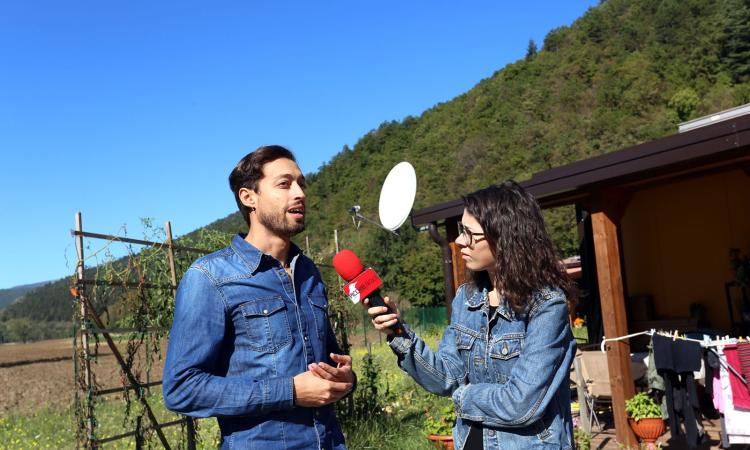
595, 378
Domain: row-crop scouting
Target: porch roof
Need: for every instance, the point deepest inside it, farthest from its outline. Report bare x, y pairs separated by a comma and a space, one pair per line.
711, 148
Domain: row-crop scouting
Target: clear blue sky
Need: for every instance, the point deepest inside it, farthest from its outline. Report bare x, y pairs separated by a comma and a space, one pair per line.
132, 109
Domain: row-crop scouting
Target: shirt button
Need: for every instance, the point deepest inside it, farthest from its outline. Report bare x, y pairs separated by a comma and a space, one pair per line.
504, 351
482, 330
478, 360
491, 432
265, 311
305, 337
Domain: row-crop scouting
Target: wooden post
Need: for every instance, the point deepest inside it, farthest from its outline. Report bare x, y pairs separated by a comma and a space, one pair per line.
612, 298
81, 293
190, 425
449, 287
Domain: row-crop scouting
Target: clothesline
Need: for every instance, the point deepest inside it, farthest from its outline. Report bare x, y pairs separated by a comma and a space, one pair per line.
705, 342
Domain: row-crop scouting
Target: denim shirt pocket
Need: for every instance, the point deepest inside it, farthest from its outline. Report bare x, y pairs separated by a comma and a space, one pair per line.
320, 310
267, 324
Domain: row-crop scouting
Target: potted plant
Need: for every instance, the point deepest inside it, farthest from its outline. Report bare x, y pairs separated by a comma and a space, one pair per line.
645, 418
439, 426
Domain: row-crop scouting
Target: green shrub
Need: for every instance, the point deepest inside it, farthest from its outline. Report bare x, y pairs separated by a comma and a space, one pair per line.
440, 420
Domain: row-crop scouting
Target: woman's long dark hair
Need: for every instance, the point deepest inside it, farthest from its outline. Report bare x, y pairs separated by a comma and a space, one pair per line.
525, 259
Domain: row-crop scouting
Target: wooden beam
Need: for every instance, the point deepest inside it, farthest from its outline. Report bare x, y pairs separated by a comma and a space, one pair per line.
612, 298
613, 201
128, 240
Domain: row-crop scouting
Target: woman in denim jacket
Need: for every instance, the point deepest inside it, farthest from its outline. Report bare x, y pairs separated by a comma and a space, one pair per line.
506, 355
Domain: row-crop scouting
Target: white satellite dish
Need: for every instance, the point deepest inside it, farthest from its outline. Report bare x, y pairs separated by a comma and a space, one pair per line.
397, 196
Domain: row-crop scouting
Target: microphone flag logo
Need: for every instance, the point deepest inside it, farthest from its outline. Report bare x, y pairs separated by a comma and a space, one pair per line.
352, 291
362, 285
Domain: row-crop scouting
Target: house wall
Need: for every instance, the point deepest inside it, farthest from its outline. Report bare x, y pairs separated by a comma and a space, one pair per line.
676, 240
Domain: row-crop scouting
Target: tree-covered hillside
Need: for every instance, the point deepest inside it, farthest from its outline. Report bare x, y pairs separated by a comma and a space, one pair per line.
8, 296
626, 72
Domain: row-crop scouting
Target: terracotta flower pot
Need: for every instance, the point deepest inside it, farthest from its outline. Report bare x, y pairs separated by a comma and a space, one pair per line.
441, 442
648, 429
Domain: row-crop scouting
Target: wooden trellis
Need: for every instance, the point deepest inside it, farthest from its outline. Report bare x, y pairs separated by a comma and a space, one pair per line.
91, 323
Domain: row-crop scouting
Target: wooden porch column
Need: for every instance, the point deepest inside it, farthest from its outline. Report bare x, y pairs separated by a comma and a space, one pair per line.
612, 297
459, 266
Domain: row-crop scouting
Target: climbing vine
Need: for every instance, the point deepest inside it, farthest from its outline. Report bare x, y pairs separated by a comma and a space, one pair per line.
132, 297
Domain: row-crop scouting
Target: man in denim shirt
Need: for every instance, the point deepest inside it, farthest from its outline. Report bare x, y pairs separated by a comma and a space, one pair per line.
251, 342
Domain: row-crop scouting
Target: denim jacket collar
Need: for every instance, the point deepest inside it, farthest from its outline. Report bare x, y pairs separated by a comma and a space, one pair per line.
252, 256
478, 299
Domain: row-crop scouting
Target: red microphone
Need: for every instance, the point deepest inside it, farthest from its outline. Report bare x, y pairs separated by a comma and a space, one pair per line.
361, 283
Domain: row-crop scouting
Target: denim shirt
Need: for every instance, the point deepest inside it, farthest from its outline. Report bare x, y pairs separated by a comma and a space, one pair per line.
512, 379
242, 329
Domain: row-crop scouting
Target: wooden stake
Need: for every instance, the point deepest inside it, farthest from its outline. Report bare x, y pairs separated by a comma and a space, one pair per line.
81, 293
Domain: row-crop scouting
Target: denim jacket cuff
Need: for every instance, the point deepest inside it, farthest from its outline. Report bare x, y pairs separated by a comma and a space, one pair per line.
401, 344
458, 398
278, 394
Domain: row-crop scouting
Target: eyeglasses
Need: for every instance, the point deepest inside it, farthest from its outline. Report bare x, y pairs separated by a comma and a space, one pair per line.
469, 235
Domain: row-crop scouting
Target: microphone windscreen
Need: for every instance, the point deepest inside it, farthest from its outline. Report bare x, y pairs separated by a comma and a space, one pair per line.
347, 264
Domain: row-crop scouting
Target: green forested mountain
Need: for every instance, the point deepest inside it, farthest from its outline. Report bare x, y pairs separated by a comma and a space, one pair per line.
8, 296
626, 72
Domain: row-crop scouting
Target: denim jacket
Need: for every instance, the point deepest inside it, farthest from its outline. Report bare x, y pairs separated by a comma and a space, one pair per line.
242, 329
513, 380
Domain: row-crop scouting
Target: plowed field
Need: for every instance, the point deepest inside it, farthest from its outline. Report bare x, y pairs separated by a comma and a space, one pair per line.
41, 374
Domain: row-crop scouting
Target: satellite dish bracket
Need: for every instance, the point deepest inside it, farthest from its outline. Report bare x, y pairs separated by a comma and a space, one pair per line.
357, 218
396, 199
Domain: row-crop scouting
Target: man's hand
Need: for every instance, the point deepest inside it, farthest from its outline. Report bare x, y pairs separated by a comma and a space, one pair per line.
341, 373
310, 390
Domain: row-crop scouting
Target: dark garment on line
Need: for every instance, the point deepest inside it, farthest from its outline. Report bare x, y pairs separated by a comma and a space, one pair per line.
676, 360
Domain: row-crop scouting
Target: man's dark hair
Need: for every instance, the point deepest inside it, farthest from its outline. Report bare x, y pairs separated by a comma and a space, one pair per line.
249, 171
525, 259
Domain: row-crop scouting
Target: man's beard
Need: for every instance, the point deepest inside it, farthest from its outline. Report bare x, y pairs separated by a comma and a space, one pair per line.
279, 225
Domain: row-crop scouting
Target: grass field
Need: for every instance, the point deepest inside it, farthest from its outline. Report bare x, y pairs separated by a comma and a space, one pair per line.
36, 411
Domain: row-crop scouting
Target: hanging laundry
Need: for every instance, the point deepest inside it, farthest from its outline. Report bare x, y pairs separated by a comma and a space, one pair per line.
675, 361
736, 423
740, 394
743, 351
